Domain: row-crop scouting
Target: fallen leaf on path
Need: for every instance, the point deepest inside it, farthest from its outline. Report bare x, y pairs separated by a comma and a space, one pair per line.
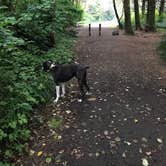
97, 154
136, 120
90, 154
145, 162
43, 144
85, 130
117, 139
126, 90
140, 150
92, 99
135, 141
124, 155
39, 153
128, 143
31, 152
68, 111
144, 139
61, 151
64, 163
148, 153
158, 119
106, 132
159, 140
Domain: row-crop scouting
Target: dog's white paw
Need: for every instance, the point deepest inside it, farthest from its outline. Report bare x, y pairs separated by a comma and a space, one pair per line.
80, 100
56, 100
62, 95
88, 93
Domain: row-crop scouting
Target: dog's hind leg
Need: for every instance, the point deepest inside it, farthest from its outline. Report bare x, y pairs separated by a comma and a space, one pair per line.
63, 90
57, 94
80, 77
85, 82
81, 91
87, 87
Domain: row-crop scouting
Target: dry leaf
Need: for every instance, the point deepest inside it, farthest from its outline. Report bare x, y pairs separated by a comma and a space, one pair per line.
144, 139
92, 99
31, 152
124, 155
106, 132
145, 162
39, 153
136, 120
148, 153
97, 154
117, 139
159, 140
128, 143
68, 111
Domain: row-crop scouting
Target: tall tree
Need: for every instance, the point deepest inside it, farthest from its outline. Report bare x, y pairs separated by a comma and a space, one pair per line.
137, 16
161, 10
128, 27
143, 7
117, 16
150, 19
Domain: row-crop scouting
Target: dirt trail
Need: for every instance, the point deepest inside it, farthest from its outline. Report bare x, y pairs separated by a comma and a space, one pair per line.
123, 120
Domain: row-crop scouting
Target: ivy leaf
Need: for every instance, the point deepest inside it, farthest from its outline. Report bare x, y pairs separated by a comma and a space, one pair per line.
48, 160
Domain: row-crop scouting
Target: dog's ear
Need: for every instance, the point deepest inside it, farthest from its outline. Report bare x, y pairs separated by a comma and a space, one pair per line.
50, 61
46, 66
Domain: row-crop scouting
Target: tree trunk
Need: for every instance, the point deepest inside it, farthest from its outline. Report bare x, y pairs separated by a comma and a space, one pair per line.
161, 10
137, 16
117, 16
150, 20
128, 27
143, 7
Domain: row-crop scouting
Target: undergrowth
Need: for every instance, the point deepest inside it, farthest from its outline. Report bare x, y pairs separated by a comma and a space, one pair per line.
30, 33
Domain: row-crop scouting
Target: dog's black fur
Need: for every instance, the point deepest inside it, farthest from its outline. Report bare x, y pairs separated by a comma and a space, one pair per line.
64, 73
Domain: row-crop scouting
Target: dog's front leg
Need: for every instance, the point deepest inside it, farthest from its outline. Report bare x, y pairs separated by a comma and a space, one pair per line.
57, 94
63, 90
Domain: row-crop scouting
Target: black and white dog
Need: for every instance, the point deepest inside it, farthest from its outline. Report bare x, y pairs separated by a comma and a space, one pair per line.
64, 73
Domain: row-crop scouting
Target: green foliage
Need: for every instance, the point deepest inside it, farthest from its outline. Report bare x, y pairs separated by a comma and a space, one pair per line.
30, 33
160, 21
96, 13
55, 123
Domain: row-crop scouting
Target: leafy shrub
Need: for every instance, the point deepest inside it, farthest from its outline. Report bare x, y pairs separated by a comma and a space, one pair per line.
25, 42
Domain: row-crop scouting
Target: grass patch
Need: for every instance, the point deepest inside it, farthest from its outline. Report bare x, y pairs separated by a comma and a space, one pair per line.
54, 123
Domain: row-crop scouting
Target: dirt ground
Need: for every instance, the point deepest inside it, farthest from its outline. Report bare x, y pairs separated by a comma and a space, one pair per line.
123, 120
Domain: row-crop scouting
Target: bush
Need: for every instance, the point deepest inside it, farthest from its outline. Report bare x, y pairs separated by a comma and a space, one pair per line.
28, 36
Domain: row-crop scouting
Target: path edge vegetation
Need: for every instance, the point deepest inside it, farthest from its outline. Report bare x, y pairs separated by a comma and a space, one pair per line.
30, 32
